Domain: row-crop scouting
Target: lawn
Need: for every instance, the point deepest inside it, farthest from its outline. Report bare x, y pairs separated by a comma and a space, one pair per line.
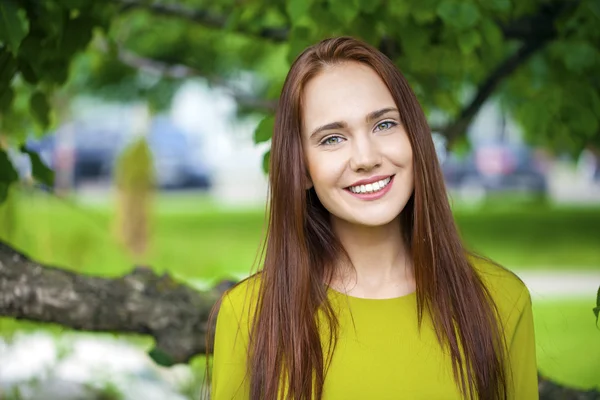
197, 239
568, 342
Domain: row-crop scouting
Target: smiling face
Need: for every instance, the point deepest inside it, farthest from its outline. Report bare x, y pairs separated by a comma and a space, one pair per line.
357, 152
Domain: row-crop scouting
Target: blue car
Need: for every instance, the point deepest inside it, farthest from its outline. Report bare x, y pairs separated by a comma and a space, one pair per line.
497, 168
175, 162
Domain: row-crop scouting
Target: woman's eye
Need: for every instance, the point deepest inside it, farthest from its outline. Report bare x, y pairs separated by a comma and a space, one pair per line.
385, 125
332, 140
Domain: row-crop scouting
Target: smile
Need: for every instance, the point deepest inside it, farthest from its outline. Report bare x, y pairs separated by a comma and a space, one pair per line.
373, 190
371, 187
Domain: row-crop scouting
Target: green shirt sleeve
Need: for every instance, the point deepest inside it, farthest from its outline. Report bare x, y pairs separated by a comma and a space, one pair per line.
522, 354
229, 356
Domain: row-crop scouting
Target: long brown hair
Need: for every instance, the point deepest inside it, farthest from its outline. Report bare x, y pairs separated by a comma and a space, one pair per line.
285, 349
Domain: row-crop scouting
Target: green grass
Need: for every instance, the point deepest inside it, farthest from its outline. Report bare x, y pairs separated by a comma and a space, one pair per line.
196, 238
541, 237
568, 342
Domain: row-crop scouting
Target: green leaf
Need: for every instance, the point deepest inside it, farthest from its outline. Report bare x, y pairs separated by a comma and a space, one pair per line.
56, 73
579, 56
38, 103
6, 98
300, 39
469, 41
77, 33
368, 6
264, 130
398, 9
491, 33
39, 170
161, 358
12, 25
266, 161
460, 15
8, 174
3, 192
499, 5
597, 308
27, 72
423, 11
74, 4
345, 10
296, 9
8, 67
594, 8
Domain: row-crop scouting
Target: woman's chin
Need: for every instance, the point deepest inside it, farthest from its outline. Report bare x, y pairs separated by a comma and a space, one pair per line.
371, 221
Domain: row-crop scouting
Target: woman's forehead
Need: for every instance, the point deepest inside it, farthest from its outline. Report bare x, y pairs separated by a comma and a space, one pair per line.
346, 92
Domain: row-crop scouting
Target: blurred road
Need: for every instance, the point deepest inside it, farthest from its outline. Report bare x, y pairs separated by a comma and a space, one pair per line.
555, 284
541, 284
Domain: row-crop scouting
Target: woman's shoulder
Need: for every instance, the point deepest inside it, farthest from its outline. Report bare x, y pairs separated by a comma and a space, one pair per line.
509, 292
242, 297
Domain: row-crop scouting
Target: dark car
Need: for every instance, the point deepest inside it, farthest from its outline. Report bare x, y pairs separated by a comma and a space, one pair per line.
87, 155
176, 164
94, 153
494, 168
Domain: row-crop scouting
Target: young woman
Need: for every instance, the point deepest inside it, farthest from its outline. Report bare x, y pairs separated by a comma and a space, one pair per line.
366, 291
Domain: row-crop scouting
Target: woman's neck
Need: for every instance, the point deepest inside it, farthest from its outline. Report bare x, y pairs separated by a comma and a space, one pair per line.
380, 261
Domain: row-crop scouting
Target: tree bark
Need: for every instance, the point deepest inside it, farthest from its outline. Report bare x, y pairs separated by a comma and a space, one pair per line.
553, 391
140, 302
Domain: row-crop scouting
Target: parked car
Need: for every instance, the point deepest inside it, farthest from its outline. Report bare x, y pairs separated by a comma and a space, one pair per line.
93, 152
176, 163
496, 168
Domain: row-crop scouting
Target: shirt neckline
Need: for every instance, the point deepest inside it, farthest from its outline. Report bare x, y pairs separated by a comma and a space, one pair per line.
370, 299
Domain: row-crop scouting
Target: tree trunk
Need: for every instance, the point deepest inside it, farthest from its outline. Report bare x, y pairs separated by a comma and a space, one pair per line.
140, 302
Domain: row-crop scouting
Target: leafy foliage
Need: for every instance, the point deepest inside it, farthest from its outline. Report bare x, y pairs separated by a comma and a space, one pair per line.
597, 308
539, 58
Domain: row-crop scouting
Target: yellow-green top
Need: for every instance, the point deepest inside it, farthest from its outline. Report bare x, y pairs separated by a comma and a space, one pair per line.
383, 355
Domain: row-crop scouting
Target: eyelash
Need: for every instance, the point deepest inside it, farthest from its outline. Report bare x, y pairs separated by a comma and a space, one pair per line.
391, 123
324, 141
390, 126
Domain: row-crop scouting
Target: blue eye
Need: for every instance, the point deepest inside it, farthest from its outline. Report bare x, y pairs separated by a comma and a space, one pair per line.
331, 140
385, 125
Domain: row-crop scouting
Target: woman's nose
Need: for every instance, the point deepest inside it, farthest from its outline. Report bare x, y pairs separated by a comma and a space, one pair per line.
365, 156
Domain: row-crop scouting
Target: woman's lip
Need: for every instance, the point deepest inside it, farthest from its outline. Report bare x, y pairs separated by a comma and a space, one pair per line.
370, 180
373, 196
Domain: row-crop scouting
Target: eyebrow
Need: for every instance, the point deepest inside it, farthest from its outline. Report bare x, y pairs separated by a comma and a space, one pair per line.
341, 125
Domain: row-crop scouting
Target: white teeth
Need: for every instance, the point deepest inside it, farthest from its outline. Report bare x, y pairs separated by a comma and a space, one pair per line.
371, 187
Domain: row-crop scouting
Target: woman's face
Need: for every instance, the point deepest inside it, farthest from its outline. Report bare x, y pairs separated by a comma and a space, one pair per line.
358, 154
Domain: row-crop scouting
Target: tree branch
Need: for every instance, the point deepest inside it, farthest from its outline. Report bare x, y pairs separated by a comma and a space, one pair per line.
458, 127
139, 302
534, 30
201, 17
179, 71
538, 26
545, 18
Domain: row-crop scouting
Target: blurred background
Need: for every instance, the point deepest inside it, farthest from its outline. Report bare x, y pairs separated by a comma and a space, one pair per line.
138, 133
